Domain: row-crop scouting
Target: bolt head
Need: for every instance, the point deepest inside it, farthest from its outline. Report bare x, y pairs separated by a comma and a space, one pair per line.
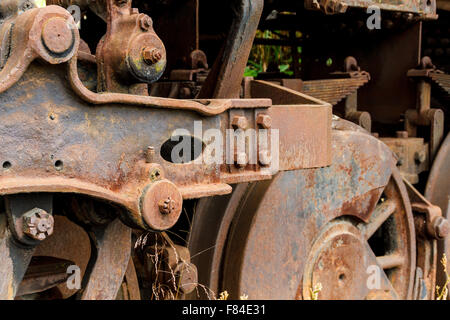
264, 120
239, 122
441, 227
160, 205
151, 55
264, 158
420, 156
38, 224
145, 22
167, 206
56, 35
241, 159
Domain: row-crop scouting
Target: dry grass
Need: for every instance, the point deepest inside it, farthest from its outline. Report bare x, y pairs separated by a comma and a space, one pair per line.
315, 291
442, 293
165, 285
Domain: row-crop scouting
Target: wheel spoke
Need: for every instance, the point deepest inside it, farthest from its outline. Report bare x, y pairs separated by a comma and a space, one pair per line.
390, 261
381, 213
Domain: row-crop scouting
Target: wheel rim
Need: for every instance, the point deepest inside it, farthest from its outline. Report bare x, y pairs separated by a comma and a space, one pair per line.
270, 243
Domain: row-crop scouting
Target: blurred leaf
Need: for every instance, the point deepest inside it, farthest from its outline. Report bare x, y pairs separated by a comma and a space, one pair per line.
40, 3
283, 67
329, 62
270, 58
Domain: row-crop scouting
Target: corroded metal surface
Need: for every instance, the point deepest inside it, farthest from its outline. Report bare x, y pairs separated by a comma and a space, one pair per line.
277, 245
438, 192
321, 208
69, 243
107, 267
334, 90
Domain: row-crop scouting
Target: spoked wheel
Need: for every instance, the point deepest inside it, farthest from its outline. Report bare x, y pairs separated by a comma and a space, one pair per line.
341, 232
374, 260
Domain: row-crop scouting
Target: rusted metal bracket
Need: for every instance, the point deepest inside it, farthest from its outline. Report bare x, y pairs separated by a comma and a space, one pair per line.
327, 6
17, 239
342, 85
434, 225
423, 115
224, 80
412, 155
111, 254
208, 107
47, 33
425, 9
167, 266
430, 226
44, 273
130, 55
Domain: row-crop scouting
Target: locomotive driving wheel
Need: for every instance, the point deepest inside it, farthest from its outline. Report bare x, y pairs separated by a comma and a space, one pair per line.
315, 233
372, 260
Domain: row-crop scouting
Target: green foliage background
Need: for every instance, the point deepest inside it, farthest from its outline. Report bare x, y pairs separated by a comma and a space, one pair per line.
264, 58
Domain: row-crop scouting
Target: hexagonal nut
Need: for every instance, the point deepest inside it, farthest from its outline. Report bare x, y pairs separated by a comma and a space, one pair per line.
241, 159
160, 205
420, 156
145, 22
239, 122
264, 120
38, 224
167, 206
441, 227
264, 158
151, 55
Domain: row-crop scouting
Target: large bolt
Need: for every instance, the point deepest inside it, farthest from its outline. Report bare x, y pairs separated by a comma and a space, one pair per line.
264, 120
145, 22
56, 35
441, 227
151, 55
167, 206
239, 122
149, 154
420, 156
38, 224
264, 158
161, 204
